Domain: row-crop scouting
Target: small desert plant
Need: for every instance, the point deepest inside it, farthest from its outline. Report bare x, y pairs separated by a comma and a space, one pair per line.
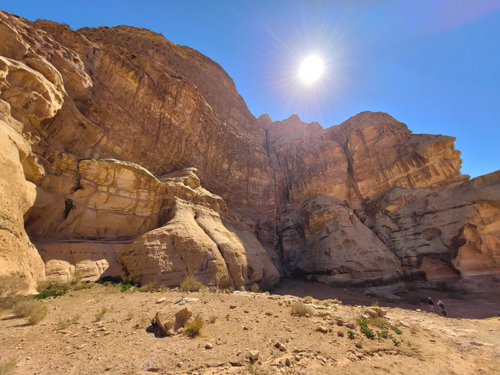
191, 285
254, 368
62, 324
375, 303
308, 299
194, 326
100, 315
147, 287
350, 334
76, 318
130, 315
213, 290
212, 319
143, 322
255, 288
77, 278
11, 289
37, 313
367, 332
300, 309
326, 305
397, 330
8, 367
33, 310
164, 289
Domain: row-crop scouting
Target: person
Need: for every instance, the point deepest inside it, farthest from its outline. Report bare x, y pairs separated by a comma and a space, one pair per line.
441, 306
430, 302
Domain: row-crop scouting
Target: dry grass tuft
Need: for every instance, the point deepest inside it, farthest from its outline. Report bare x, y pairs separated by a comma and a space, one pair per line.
62, 324
99, 316
146, 287
12, 287
300, 309
255, 288
308, 299
194, 326
212, 319
8, 367
191, 285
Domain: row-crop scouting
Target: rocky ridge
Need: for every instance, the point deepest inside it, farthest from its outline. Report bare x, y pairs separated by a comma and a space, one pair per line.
128, 154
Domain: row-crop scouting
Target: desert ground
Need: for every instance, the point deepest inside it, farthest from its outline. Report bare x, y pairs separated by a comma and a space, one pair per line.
247, 333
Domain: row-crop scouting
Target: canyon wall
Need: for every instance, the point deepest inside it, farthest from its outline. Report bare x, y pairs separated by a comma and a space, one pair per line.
126, 154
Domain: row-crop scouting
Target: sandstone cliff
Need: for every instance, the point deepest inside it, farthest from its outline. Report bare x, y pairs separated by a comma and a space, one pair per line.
123, 152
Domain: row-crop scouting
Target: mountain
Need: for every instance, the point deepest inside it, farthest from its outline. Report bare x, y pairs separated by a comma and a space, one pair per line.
124, 154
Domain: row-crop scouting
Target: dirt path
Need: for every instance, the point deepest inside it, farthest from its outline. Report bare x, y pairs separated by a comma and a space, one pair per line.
471, 306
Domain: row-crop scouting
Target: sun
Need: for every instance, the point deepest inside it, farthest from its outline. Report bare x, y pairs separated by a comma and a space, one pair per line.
311, 69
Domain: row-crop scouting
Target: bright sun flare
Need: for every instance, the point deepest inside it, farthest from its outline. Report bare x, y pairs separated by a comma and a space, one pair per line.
311, 69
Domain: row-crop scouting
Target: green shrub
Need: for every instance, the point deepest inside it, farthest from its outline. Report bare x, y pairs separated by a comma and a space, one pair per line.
50, 293
22, 308
350, 334
397, 330
194, 326
300, 309
191, 285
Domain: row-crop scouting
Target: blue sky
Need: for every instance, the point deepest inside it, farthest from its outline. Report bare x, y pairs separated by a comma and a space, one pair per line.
434, 65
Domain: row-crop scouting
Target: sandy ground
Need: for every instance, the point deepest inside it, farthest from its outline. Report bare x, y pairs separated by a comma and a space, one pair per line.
429, 344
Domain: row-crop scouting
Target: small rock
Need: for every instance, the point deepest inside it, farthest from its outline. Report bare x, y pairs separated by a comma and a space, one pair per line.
297, 358
340, 333
287, 362
307, 315
246, 311
323, 329
340, 323
253, 355
161, 300
179, 364
358, 345
418, 310
232, 307
476, 343
268, 313
209, 345
350, 325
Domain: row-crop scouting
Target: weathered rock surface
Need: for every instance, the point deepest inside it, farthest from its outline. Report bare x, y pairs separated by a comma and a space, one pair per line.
137, 155
200, 237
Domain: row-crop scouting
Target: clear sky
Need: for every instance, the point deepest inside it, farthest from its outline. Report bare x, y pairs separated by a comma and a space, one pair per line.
432, 64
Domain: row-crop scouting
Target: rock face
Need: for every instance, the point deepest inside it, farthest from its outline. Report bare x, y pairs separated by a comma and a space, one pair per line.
123, 153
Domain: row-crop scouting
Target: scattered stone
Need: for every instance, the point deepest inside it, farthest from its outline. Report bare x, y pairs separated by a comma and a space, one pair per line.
179, 364
340, 333
232, 307
476, 343
350, 325
288, 362
322, 329
246, 311
340, 323
358, 344
209, 345
161, 300
253, 355
372, 313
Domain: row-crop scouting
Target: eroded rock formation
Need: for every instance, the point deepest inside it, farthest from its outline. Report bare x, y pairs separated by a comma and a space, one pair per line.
125, 153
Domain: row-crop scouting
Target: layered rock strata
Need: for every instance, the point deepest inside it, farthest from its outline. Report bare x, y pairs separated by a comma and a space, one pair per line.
125, 153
